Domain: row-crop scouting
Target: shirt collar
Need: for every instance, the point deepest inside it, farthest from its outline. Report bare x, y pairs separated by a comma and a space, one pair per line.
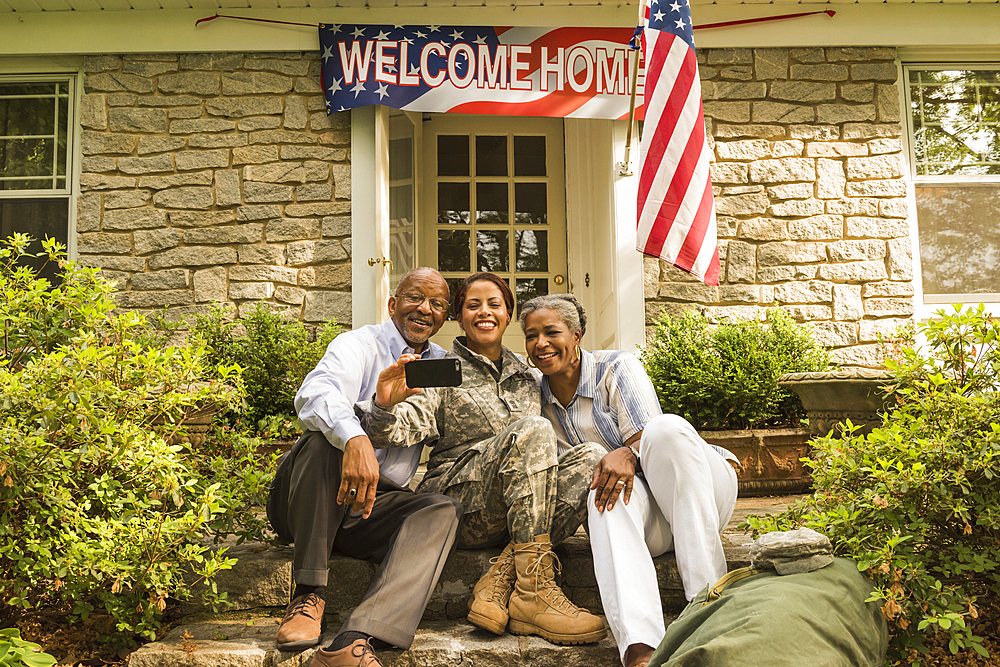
512, 363
397, 344
587, 387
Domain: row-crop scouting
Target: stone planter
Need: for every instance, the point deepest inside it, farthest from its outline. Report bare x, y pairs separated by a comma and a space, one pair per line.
847, 393
193, 428
770, 458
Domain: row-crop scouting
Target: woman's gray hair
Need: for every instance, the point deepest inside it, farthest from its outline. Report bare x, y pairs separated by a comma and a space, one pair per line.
570, 311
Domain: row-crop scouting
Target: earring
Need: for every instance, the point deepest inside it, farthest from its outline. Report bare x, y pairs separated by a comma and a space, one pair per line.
578, 353
531, 364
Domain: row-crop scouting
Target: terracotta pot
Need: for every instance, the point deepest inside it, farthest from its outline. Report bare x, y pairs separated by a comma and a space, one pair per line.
846, 393
770, 459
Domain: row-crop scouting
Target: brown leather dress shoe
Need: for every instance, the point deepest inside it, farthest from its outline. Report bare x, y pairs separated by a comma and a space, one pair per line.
358, 654
302, 624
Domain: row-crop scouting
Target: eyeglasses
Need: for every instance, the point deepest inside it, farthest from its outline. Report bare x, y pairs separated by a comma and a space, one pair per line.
414, 300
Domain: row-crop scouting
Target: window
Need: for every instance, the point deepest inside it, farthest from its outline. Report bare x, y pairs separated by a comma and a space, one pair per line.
954, 115
35, 156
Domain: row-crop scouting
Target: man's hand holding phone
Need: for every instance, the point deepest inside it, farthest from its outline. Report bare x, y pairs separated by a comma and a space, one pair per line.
409, 373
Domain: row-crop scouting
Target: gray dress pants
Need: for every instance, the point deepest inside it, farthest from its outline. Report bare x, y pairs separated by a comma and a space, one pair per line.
409, 534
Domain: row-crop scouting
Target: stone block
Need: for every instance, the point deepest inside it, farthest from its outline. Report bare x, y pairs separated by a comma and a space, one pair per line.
797, 207
831, 183
816, 228
210, 285
96, 164
295, 113
122, 100
113, 262
276, 172
779, 112
227, 188
342, 181
874, 72
791, 148
729, 56
889, 307
694, 292
253, 291
198, 125
282, 137
790, 252
791, 191
754, 203
264, 273
847, 302
833, 149
819, 72
242, 233
314, 192
763, 229
155, 240
279, 65
325, 306
882, 146
813, 291
853, 271
88, 212
836, 114
192, 256
724, 131
211, 61
189, 101
808, 313
900, 259
871, 130
129, 219
879, 188
149, 145
782, 170
148, 69
739, 294
888, 289
217, 140
874, 167
808, 55
732, 112
780, 274
260, 212
316, 170
292, 295
881, 228
867, 207
847, 251
870, 331
101, 63
145, 165
110, 82
860, 53
650, 277
736, 72
770, 64
858, 92
325, 208
201, 218
100, 143
729, 172
733, 314
103, 243
266, 192
301, 253
803, 91
258, 123
727, 227
255, 83
292, 229
868, 356
835, 334
255, 155
261, 254
91, 181
319, 121
188, 197
94, 112
338, 138
195, 83
137, 120
160, 280
154, 299
753, 149
734, 90
191, 160
887, 103
814, 132
240, 107
323, 153
184, 113
338, 277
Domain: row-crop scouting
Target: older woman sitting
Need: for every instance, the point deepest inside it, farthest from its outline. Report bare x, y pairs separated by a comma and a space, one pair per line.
677, 491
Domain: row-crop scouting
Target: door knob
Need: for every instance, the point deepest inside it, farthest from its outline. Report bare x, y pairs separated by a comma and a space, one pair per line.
385, 261
558, 280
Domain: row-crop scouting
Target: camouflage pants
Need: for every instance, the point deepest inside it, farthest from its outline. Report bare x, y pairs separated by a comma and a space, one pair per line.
514, 486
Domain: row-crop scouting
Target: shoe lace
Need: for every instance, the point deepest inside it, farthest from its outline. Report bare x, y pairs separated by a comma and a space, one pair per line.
366, 655
306, 606
503, 582
545, 582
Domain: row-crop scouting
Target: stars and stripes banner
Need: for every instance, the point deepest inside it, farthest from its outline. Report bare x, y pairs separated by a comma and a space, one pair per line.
676, 207
522, 71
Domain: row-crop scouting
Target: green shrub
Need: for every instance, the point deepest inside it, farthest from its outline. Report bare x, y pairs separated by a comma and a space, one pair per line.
725, 376
917, 502
275, 354
98, 515
17, 652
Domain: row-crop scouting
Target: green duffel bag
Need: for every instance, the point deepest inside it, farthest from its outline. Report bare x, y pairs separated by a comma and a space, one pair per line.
761, 619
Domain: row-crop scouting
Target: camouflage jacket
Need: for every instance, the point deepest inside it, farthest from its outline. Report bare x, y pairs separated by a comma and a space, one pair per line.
453, 420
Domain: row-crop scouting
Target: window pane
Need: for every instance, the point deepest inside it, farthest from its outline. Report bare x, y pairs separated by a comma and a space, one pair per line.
491, 203
530, 203
33, 135
491, 156
529, 156
531, 248
453, 203
491, 248
959, 239
453, 155
453, 285
401, 159
453, 250
39, 218
529, 288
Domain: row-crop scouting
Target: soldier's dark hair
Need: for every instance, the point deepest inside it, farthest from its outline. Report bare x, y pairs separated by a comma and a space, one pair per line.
508, 296
570, 311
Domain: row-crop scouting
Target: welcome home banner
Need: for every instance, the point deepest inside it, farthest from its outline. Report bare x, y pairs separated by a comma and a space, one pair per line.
524, 71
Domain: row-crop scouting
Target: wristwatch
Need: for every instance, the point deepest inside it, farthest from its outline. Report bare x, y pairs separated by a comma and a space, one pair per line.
635, 452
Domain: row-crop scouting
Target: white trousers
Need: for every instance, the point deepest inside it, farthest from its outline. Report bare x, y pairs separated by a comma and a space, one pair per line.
685, 501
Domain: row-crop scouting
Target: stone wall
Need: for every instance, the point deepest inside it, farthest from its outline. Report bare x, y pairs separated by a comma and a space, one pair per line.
216, 179
810, 195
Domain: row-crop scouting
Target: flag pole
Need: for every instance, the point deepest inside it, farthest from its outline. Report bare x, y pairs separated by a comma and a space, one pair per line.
640, 21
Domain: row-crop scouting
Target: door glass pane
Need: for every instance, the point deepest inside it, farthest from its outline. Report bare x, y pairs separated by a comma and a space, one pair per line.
491, 203
529, 288
491, 248
530, 203
453, 155
453, 250
531, 250
491, 156
529, 156
453, 203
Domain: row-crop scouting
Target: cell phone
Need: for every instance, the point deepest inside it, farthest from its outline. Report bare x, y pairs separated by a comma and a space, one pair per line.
434, 373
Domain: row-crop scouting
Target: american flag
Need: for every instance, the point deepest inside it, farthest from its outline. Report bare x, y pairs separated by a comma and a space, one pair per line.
477, 69
676, 206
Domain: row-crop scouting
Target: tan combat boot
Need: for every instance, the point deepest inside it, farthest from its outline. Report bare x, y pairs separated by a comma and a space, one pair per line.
539, 607
488, 606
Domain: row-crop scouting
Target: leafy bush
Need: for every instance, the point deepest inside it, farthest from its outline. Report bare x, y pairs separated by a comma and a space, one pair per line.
98, 515
275, 354
917, 502
725, 376
16, 652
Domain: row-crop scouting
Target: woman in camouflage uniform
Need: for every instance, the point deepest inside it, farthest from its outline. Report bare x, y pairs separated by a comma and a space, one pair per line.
493, 451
